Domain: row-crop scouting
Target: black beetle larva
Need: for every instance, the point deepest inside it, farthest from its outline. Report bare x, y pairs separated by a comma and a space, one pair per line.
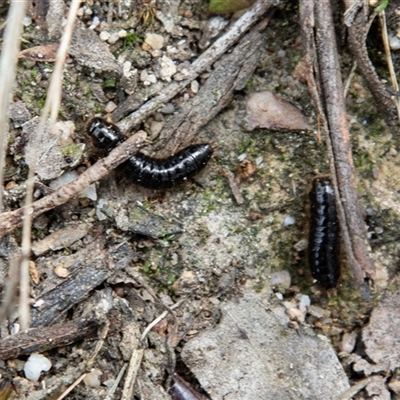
324, 239
151, 172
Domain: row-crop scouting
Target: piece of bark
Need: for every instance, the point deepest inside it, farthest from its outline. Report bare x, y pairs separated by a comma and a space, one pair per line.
59, 239
13, 219
326, 89
232, 73
358, 30
86, 275
46, 338
204, 61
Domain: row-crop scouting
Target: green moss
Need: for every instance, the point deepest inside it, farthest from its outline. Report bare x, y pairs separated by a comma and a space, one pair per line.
110, 83
129, 40
71, 150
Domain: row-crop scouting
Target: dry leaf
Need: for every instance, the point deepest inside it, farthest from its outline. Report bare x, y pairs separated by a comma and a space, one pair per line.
46, 53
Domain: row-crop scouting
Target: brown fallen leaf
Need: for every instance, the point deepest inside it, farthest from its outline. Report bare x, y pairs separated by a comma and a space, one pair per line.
47, 53
265, 110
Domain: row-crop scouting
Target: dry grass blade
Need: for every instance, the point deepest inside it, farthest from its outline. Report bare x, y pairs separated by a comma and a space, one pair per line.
385, 39
8, 62
52, 105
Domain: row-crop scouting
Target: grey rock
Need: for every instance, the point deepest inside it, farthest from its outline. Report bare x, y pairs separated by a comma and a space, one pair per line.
253, 355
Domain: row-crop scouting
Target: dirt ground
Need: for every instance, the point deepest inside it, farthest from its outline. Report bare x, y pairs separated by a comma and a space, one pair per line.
106, 264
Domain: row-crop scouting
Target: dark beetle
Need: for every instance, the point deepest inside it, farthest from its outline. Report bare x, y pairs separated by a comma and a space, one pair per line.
151, 172
324, 239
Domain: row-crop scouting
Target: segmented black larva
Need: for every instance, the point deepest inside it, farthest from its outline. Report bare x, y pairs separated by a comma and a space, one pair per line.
324, 239
151, 172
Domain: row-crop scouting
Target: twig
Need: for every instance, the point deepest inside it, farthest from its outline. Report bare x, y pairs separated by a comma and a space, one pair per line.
100, 343
231, 74
71, 388
233, 185
324, 77
385, 39
13, 219
355, 389
46, 338
10, 291
52, 105
8, 62
203, 62
158, 319
358, 30
113, 388
133, 369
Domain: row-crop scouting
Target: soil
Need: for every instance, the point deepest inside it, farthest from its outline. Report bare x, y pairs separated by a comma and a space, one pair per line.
124, 254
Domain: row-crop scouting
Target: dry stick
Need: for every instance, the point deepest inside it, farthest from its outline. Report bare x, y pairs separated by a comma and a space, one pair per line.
349, 394
357, 44
47, 338
13, 219
203, 62
133, 369
69, 390
232, 73
52, 104
324, 78
8, 62
385, 39
113, 388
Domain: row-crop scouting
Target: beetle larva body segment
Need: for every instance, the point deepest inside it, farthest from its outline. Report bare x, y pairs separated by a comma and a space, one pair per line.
165, 173
152, 173
324, 239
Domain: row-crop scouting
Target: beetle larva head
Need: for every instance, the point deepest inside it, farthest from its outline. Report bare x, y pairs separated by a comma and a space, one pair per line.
105, 134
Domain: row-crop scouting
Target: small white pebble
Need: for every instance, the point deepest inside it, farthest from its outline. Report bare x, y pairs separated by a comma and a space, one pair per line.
92, 378
122, 33
14, 328
279, 296
27, 21
151, 78
242, 156
167, 109
114, 37
259, 160
304, 302
289, 221
104, 36
295, 314
144, 76
348, 342
394, 42
194, 86
110, 107
88, 11
95, 23
155, 128
154, 40
35, 365
281, 279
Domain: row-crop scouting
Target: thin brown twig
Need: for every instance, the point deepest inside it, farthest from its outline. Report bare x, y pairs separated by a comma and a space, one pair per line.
72, 387
326, 89
203, 62
392, 73
358, 29
13, 219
